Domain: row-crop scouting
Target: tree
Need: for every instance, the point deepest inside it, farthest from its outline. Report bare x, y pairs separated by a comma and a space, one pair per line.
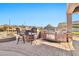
5, 27
1, 29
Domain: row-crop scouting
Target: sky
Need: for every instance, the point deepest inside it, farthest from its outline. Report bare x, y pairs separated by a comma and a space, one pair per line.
33, 14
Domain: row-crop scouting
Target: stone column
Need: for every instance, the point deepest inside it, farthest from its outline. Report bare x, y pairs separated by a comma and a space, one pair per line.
69, 23
69, 27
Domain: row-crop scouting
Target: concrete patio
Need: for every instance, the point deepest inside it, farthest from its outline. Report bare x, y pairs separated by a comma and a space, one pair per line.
28, 49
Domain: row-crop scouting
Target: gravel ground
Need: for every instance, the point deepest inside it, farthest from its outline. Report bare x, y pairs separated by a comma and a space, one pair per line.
27, 49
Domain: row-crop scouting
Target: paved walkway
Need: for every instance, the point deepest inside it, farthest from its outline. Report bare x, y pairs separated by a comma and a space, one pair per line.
28, 49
